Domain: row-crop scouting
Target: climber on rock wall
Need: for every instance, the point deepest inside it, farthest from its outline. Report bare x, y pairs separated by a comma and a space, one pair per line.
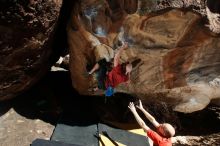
164, 131
107, 78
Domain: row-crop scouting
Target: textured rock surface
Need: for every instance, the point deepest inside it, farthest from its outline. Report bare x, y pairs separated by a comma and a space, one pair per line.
179, 61
180, 56
208, 8
26, 30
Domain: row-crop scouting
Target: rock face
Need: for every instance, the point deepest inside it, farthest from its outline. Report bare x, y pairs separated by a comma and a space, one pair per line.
177, 56
213, 14
26, 31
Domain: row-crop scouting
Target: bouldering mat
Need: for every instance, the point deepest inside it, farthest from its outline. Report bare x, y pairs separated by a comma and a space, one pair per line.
42, 142
76, 134
110, 136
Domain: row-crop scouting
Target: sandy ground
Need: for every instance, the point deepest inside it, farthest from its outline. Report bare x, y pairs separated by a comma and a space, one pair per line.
17, 130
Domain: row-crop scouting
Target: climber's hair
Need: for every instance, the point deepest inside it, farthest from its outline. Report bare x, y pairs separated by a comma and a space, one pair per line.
124, 66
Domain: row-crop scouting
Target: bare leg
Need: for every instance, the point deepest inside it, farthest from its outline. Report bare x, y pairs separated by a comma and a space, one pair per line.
95, 67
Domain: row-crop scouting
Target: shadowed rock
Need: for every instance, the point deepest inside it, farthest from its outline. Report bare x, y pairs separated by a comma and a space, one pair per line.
26, 32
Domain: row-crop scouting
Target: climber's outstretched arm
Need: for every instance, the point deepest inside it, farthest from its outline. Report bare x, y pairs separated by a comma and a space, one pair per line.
118, 54
148, 115
137, 117
95, 67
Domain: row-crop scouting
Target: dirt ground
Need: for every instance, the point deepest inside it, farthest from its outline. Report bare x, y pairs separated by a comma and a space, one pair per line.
17, 130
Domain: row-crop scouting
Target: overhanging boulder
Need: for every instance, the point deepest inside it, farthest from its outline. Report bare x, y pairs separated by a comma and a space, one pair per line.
178, 56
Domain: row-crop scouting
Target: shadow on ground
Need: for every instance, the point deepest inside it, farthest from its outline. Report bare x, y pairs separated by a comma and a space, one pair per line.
45, 99
54, 96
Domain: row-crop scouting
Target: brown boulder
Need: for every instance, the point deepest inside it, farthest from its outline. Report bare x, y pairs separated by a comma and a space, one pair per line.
26, 30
